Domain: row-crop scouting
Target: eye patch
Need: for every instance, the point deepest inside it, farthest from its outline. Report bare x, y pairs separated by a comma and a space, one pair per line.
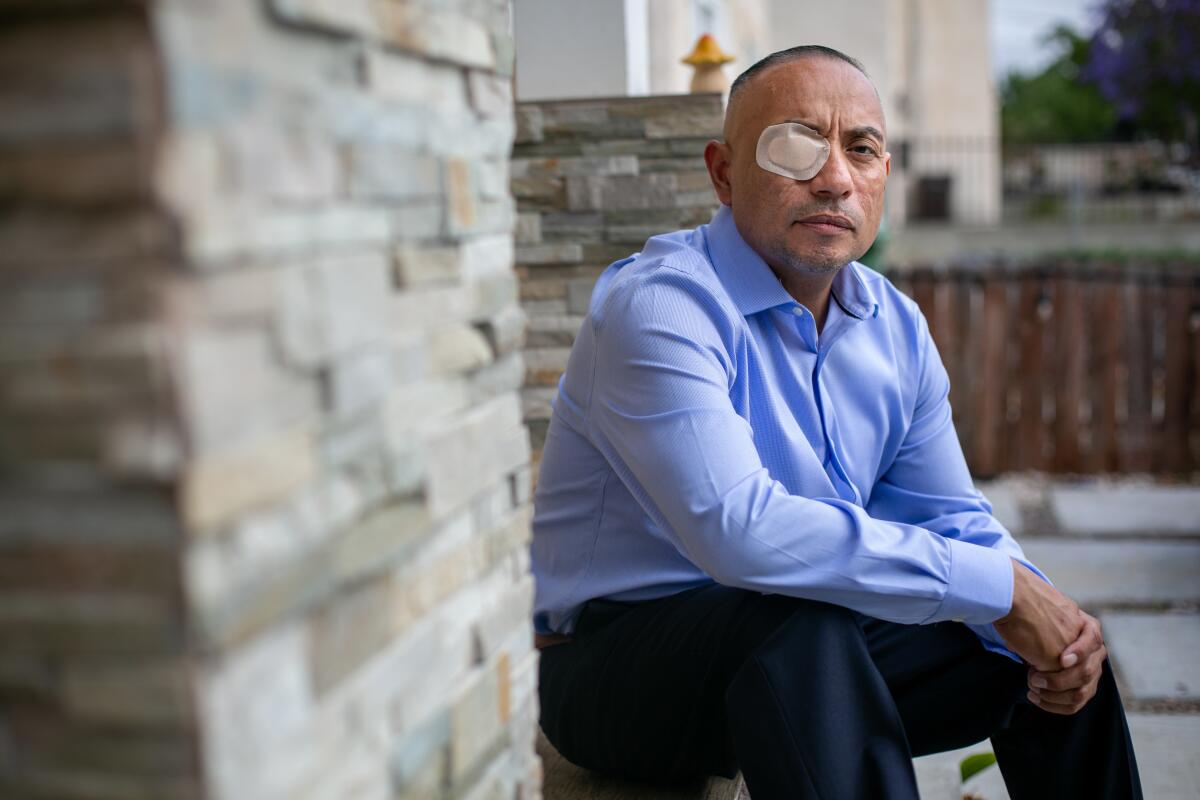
792, 150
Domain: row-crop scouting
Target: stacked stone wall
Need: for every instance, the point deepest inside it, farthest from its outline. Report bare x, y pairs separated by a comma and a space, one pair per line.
264, 481
594, 179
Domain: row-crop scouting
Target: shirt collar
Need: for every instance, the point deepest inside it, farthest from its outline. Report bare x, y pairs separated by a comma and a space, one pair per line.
752, 284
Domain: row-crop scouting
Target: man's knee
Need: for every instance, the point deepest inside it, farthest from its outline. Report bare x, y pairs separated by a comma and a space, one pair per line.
769, 621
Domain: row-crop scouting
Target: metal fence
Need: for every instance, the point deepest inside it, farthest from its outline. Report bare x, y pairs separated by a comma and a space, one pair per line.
1067, 367
984, 181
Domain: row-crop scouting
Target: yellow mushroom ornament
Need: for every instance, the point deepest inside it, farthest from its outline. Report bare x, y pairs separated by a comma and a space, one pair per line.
708, 60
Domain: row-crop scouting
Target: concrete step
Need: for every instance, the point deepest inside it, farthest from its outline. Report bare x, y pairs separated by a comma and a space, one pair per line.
1113, 573
1157, 656
1166, 746
1127, 510
1100, 507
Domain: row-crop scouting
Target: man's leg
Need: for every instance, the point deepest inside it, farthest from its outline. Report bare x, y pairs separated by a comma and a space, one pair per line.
644, 692
1087, 754
640, 691
809, 699
969, 694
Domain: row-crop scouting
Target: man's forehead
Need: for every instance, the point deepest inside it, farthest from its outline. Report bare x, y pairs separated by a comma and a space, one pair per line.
802, 92
808, 90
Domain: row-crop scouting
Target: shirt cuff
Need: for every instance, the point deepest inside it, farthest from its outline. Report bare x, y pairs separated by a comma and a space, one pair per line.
981, 585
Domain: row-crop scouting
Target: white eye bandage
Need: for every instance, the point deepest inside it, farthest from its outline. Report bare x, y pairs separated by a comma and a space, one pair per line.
792, 150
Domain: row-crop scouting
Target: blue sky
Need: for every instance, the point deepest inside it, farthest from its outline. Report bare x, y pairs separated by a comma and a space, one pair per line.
1017, 27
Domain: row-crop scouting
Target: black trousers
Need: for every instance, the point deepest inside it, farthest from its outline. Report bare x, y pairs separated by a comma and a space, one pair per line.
811, 700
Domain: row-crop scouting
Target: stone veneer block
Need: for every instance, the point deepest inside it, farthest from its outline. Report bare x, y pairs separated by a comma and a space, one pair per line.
579, 295
477, 721
544, 365
416, 265
218, 488
505, 331
458, 349
152, 692
432, 32
587, 193
574, 166
547, 253
557, 331
344, 16
490, 436
530, 125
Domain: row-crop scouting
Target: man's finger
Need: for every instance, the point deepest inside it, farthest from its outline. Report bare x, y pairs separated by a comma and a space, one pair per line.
1089, 640
1064, 680
1071, 702
1071, 697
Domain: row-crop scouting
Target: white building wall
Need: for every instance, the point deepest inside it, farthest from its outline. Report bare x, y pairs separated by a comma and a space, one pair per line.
580, 48
672, 35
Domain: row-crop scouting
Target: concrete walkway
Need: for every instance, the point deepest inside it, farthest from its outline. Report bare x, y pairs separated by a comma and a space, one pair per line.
1128, 551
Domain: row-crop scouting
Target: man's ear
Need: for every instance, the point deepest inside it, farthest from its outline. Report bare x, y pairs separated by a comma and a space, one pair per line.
716, 158
887, 164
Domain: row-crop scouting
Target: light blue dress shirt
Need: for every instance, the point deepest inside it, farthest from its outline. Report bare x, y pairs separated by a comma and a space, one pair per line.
703, 432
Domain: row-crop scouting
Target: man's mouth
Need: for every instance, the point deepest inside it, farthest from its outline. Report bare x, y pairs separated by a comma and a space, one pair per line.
827, 223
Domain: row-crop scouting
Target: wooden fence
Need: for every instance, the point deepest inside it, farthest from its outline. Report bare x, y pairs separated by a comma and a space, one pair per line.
1068, 367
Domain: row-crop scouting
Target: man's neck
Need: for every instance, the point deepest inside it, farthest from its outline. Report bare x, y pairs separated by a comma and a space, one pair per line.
812, 290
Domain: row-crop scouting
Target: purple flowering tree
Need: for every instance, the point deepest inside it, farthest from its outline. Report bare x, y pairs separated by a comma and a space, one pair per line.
1145, 59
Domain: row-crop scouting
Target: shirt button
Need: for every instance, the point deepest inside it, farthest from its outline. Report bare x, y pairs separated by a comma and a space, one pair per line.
798, 311
958, 619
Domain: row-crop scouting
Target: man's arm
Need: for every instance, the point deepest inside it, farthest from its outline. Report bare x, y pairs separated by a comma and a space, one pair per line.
659, 409
928, 484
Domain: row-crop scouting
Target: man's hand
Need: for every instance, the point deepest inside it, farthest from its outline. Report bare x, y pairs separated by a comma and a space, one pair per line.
1067, 690
1043, 621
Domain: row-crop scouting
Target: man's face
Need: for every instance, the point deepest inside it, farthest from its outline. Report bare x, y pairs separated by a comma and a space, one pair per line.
819, 224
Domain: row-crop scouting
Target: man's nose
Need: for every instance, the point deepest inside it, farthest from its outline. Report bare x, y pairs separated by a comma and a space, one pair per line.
834, 179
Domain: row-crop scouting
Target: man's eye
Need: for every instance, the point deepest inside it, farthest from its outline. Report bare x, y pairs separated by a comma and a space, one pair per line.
865, 150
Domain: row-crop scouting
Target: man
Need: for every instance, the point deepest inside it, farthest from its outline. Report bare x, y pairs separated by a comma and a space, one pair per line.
756, 543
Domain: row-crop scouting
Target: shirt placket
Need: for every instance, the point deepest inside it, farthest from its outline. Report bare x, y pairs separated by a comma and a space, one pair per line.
836, 326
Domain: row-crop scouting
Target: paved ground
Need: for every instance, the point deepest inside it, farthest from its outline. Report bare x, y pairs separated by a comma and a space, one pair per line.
1129, 552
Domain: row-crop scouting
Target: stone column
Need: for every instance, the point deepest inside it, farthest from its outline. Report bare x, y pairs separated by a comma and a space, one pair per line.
264, 482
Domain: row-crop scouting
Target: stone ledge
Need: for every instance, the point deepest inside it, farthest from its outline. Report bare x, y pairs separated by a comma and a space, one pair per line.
562, 780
